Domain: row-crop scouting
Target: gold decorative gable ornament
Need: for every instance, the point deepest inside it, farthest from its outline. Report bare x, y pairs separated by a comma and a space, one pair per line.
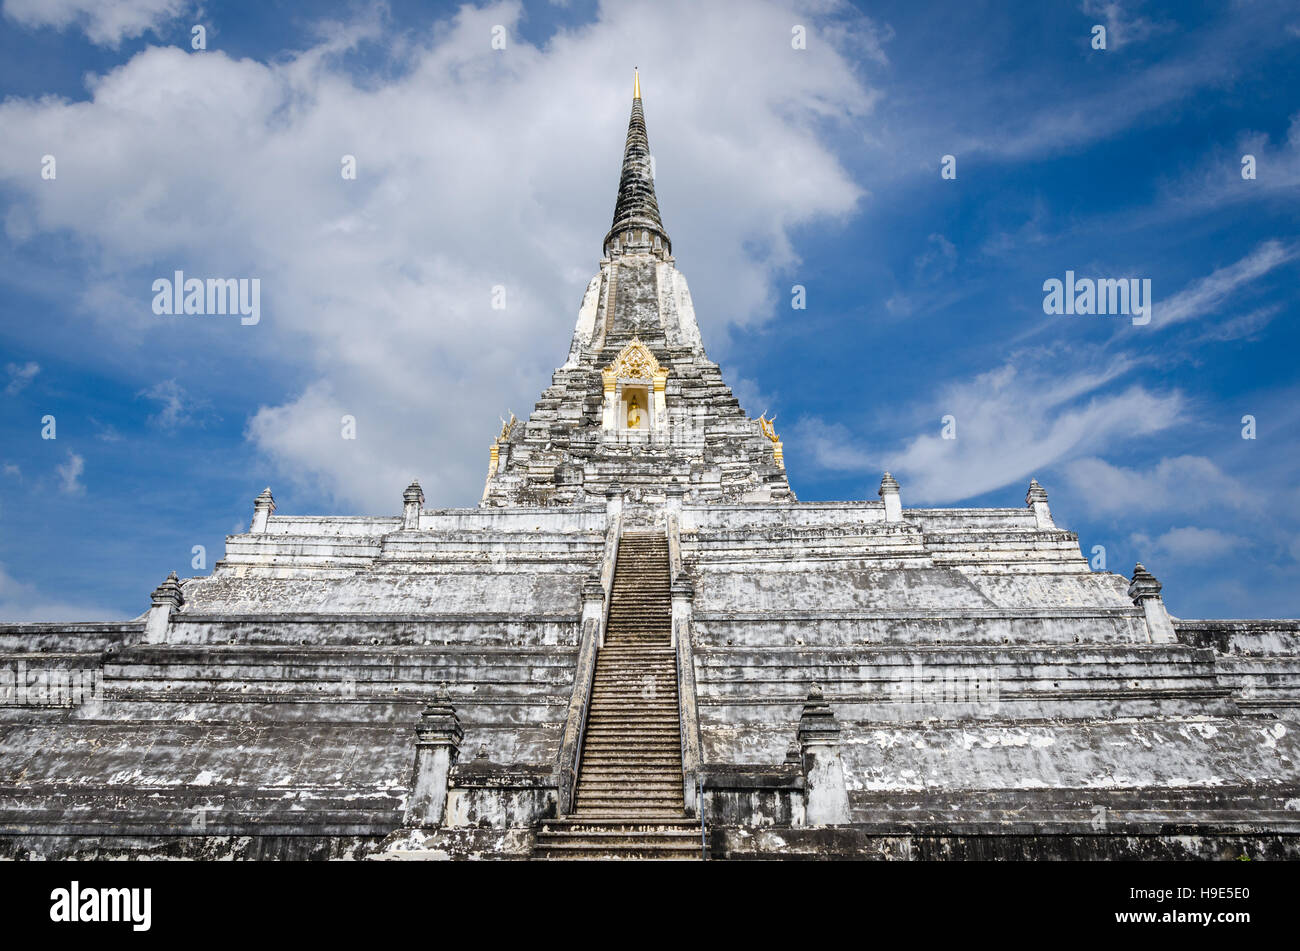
494, 453
634, 362
766, 428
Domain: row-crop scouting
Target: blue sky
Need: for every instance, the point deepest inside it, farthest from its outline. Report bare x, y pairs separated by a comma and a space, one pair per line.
775, 167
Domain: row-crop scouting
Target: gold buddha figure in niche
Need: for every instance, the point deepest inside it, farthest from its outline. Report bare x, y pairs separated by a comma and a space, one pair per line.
633, 413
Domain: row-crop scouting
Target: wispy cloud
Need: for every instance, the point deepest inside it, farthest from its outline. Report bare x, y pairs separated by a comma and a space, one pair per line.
105, 22
177, 407
70, 473
20, 376
20, 601
1188, 543
1185, 483
1205, 296
1010, 424
1123, 25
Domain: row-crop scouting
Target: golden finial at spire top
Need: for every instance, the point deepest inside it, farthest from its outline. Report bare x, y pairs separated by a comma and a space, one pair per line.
636, 83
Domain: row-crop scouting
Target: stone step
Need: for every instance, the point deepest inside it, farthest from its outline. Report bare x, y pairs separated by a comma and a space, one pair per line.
658, 675
636, 651
646, 806
599, 852
621, 813
665, 729
594, 836
645, 788
686, 840
599, 771
657, 797
640, 655
661, 667
608, 809
631, 722
637, 700
605, 728
614, 753
612, 740
634, 719
574, 825
661, 661
645, 650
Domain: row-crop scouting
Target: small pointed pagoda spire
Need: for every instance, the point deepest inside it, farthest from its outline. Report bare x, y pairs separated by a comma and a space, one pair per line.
637, 210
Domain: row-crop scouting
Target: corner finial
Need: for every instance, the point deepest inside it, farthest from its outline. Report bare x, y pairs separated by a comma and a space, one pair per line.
636, 83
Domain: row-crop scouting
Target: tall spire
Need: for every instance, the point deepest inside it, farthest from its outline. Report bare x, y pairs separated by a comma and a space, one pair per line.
636, 209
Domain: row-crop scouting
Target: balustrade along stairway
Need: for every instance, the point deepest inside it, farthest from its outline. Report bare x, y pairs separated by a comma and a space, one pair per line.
629, 800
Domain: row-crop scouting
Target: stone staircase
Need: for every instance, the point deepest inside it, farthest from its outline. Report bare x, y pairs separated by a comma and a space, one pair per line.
629, 797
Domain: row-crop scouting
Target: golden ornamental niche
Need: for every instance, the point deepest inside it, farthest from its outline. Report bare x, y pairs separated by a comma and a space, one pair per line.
634, 390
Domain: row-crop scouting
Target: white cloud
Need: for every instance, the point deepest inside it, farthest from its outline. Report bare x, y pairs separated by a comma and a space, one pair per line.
70, 474
1009, 118
1209, 293
475, 168
831, 446
23, 602
20, 376
106, 22
1177, 483
1245, 325
754, 399
1217, 180
1122, 26
177, 407
936, 261
1186, 544
1011, 424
